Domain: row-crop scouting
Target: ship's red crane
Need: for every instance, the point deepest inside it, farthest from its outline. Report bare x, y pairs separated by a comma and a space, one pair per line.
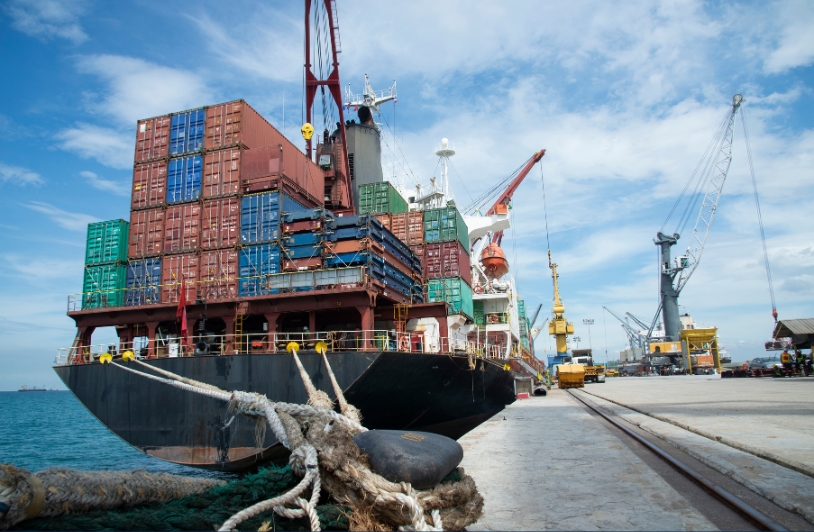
494, 261
332, 151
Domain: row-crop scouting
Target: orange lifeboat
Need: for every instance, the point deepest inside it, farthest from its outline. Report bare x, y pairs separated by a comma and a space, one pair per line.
494, 261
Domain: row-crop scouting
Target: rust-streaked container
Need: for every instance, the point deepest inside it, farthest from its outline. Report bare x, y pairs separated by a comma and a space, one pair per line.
149, 185
385, 220
152, 139
443, 260
408, 227
419, 251
176, 269
220, 223
283, 168
182, 228
221, 173
296, 265
218, 274
146, 234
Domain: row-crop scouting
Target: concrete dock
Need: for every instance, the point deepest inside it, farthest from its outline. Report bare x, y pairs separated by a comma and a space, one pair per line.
550, 465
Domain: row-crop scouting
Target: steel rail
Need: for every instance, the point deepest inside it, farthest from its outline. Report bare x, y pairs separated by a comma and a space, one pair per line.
761, 520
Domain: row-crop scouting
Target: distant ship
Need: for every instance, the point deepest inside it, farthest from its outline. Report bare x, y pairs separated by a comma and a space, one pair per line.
25, 388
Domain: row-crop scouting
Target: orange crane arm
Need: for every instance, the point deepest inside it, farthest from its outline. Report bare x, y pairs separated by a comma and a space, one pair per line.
502, 203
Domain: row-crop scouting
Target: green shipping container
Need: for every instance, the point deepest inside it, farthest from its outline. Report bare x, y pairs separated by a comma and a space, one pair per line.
454, 291
104, 286
524, 342
477, 309
521, 308
445, 225
380, 198
106, 242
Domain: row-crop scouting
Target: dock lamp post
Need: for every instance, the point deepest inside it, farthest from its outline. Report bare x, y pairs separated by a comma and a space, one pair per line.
589, 322
577, 339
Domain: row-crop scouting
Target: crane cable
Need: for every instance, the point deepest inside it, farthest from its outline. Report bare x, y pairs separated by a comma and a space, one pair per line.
759, 214
545, 213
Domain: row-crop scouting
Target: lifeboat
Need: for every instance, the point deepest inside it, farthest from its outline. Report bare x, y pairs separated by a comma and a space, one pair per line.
494, 261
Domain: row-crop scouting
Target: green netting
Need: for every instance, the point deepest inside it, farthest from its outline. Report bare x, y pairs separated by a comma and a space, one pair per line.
205, 511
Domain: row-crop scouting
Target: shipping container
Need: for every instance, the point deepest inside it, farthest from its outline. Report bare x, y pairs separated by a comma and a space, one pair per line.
184, 179
182, 228
106, 242
221, 173
146, 233
272, 158
152, 139
260, 216
477, 310
300, 227
149, 185
521, 308
455, 292
218, 275
385, 220
220, 223
408, 227
178, 270
298, 265
445, 225
446, 259
256, 262
376, 198
103, 286
187, 132
143, 282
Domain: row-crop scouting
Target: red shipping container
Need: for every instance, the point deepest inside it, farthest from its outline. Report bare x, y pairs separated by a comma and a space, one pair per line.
408, 227
385, 220
313, 263
176, 269
220, 223
152, 139
182, 228
221, 173
146, 233
419, 251
446, 259
149, 185
302, 227
218, 274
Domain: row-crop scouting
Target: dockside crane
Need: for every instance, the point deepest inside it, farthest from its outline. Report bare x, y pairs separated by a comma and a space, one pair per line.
635, 337
559, 327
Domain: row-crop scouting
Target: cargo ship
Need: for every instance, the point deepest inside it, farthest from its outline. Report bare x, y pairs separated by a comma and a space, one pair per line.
25, 388
238, 244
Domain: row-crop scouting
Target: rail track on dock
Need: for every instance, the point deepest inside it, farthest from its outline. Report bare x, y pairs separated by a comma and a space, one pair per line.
734, 506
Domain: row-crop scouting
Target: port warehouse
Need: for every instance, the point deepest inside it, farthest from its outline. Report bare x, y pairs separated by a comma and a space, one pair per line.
227, 209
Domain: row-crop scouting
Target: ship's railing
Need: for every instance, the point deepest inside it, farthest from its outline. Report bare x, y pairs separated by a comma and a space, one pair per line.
227, 344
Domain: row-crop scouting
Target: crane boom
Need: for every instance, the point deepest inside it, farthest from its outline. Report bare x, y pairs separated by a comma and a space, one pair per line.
633, 335
502, 202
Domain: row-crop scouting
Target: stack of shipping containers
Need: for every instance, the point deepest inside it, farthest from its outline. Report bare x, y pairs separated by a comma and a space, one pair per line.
105, 270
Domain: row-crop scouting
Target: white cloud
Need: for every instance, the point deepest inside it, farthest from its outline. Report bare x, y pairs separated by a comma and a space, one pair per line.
108, 146
73, 221
39, 269
18, 175
137, 89
796, 44
47, 19
116, 187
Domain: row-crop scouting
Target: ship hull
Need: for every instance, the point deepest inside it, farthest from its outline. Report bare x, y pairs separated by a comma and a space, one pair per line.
399, 391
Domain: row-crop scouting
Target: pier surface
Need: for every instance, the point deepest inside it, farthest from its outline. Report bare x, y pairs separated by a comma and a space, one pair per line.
550, 465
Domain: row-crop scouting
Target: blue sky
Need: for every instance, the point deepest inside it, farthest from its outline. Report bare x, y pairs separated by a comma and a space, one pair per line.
624, 96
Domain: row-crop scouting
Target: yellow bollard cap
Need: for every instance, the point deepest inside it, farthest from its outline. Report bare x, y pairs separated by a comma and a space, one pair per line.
321, 347
292, 346
105, 358
128, 355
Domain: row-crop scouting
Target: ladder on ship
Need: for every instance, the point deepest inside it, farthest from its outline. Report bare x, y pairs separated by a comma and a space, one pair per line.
240, 315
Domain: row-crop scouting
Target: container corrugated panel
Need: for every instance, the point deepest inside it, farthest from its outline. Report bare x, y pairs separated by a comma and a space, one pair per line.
254, 263
408, 227
143, 280
149, 185
103, 286
455, 292
220, 223
106, 242
301, 252
152, 139
477, 310
521, 308
260, 216
376, 198
178, 269
184, 179
446, 259
302, 239
146, 233
270, 152
187, 132
296, 265
218, 275
385, 219
221, 173
182, 228
445, 225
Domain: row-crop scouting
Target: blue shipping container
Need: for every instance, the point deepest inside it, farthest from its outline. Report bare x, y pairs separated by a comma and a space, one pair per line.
260, 216
143, 282
254, 262
302, 239
301, 252
184, 179
187, 132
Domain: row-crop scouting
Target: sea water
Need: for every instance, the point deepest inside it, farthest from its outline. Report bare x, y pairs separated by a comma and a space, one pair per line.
47, 429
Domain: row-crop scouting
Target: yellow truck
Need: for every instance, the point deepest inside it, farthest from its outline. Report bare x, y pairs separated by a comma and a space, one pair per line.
570, 376
593, 373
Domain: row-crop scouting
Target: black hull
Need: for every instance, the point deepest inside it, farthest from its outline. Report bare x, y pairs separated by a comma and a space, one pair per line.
399, 391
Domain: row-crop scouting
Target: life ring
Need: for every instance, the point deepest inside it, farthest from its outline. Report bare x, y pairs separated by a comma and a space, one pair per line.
404, 343
493, 318
478, 289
